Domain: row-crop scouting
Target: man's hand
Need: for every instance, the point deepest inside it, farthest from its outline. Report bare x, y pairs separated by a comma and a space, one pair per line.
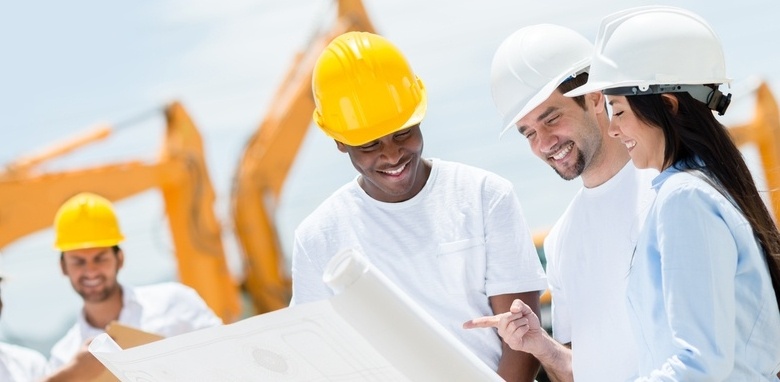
519, 328
83, 367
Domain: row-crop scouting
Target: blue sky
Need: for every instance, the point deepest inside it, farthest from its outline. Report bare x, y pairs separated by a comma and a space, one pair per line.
68, 65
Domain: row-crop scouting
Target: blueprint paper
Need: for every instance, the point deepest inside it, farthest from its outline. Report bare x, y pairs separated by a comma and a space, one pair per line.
368, 331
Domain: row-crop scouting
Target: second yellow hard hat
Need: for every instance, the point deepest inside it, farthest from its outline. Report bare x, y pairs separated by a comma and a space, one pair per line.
86, 220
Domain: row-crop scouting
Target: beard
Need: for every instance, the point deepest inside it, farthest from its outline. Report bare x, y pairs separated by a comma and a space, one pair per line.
97, 295
574, 171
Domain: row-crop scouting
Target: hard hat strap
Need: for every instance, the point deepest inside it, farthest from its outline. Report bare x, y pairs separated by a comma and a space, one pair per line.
709, 95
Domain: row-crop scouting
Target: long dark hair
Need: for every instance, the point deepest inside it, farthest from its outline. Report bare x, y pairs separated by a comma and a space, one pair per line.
693, 132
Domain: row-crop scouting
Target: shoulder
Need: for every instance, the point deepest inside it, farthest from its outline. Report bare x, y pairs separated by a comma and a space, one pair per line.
22, 353
338, 204
72, 335
684, 191
172, 291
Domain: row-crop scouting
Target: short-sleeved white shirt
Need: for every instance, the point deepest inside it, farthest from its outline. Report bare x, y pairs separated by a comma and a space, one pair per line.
460, 240
20, 364
588, 255
166, 309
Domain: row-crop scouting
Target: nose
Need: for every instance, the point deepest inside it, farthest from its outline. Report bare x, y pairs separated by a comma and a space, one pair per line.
91, 267
392, 151
613, 130
547, 140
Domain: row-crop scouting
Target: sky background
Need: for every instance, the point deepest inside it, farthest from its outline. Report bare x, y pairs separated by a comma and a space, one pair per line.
66, 66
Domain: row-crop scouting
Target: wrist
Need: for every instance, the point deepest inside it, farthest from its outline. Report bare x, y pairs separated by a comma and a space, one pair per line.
550, 351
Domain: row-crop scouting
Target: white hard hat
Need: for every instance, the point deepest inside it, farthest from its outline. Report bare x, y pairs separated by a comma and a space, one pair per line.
657, 45
530, 64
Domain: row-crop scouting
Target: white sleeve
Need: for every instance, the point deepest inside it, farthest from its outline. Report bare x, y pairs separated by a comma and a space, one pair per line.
307, 284
513, 265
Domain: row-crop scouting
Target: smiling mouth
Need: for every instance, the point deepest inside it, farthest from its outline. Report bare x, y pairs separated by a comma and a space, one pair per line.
630, 144
395, 171
91, 283
560, 154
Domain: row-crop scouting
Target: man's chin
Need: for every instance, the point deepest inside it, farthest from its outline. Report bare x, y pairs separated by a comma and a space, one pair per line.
94, 297
566, 174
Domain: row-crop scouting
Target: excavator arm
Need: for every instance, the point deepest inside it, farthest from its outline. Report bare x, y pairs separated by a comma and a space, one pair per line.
30, 201
764, 132
267, 159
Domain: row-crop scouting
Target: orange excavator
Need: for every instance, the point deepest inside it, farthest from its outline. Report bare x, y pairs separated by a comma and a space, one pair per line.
29, 197
267, 158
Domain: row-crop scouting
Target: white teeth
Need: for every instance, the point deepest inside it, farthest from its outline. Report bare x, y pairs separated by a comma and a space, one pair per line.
562, 153
91, 282
396, 171
630, 144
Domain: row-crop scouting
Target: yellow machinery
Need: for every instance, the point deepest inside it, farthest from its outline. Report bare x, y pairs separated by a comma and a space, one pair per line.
764, 132
267, 158
29, 199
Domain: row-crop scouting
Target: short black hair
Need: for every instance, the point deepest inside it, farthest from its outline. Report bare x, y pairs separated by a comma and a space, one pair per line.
572, 83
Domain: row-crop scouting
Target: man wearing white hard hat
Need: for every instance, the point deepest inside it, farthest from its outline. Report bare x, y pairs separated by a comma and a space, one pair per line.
704, 283
589, 248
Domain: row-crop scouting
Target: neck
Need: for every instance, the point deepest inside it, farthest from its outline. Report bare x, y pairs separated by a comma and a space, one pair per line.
611, 159
100, 314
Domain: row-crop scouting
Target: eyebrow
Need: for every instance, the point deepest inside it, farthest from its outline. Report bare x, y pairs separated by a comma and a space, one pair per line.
542, 116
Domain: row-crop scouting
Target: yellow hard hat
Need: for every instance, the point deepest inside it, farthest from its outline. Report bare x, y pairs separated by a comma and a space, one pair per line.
365, 89
86, 220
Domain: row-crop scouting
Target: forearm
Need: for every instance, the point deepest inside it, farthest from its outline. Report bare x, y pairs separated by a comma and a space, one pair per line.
516, 365
67, 373
83, 367
556, 360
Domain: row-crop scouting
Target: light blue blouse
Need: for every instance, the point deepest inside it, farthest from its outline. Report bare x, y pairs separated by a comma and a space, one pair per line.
699, 291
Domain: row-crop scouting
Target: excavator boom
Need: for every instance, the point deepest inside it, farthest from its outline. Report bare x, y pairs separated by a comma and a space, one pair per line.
267, 159
30, 201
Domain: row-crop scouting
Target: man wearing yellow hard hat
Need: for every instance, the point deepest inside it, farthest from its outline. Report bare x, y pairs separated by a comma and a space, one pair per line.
88, 236
451, 236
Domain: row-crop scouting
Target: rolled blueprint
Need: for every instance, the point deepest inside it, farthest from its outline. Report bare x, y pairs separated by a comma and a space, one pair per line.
368, 332
399, 329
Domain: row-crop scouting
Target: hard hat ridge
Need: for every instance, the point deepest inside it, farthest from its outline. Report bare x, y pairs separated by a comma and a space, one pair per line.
86, 220
364, 89
531, 63
685, 53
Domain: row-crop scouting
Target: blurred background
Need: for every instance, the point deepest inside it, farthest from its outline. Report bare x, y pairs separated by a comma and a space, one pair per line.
67, 66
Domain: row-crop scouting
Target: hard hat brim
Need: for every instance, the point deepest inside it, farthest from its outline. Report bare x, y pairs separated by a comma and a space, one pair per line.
544, 93
64, 247
598, 86
590, 87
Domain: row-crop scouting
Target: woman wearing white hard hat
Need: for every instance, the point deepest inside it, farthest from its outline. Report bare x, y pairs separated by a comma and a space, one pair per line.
704, 281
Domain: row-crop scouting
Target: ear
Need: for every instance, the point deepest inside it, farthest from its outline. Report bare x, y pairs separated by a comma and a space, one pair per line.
597, 101
62, 264
340, 146
670, 101
120, 259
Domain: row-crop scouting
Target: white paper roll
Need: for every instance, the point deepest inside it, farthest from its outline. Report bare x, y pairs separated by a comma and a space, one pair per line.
400, 330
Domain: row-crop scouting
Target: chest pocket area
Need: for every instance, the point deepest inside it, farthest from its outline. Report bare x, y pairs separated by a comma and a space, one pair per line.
462, 266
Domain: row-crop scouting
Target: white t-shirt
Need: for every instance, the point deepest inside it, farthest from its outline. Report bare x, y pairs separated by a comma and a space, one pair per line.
166, 309
588, 255
462, 239
19, 364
